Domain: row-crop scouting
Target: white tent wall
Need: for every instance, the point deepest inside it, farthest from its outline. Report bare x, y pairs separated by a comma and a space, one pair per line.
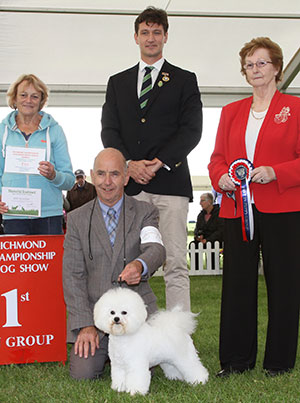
75, 45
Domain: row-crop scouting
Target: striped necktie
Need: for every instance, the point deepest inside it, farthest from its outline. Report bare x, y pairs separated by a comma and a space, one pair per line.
146, 87
112, 225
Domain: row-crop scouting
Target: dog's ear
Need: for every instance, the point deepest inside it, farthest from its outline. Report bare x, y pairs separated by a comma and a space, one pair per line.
101, 317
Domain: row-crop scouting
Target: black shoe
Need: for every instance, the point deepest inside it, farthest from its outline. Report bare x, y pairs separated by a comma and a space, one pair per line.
225, 372
275, 372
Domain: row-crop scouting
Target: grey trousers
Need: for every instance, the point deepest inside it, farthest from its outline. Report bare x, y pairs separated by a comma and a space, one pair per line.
91, 367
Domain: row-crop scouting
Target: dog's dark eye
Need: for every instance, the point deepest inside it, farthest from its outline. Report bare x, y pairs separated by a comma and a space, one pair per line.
112, 312
124, 313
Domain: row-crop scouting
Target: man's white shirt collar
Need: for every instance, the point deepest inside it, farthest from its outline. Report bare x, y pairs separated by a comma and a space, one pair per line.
157, 65
154, 73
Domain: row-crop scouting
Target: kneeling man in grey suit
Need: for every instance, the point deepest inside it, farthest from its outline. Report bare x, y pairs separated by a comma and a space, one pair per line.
111, 240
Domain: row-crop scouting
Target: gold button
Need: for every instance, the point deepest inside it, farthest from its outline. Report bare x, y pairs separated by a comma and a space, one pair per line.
143, 120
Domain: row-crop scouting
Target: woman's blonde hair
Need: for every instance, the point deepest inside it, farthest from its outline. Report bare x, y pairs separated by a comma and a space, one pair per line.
31, 79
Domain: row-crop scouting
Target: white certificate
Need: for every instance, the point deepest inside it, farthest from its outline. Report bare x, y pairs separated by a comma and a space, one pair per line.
23, 160
22, 201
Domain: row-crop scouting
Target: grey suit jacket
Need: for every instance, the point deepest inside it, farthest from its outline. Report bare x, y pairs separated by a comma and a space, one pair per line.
89, 271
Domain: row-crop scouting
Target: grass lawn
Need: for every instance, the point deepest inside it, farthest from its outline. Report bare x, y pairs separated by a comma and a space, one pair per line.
50, 382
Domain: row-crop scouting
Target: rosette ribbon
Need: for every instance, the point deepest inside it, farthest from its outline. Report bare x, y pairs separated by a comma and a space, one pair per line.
240, 174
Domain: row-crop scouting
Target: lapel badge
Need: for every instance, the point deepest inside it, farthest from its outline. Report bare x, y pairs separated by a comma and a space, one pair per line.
165, 77
160, 83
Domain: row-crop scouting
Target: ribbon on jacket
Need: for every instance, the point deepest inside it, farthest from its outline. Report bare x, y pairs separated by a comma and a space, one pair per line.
240, 174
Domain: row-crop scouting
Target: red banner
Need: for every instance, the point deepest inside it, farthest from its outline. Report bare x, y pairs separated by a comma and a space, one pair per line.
32, 308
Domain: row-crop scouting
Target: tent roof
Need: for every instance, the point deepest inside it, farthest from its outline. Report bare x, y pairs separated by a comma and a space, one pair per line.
75, 45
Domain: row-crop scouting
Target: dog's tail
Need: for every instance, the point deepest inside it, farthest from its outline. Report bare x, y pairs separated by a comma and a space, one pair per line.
186, 321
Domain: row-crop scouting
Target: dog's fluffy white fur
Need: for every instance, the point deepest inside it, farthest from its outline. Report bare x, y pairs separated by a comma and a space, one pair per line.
136, 345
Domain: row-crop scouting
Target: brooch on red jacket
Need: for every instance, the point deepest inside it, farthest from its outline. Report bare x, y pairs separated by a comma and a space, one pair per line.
283, 116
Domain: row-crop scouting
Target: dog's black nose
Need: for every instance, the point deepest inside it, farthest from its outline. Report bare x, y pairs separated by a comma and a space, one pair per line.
116, 319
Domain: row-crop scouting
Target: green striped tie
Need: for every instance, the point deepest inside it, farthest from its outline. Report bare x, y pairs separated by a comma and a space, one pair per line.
146, 87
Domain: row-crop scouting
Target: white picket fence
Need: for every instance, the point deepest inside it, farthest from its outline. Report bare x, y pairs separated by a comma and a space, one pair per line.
204, 257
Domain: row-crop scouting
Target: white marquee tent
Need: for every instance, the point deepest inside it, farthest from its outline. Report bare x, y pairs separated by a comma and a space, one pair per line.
75, 45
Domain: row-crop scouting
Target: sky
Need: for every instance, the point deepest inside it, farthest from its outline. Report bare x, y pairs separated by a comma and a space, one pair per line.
82, 128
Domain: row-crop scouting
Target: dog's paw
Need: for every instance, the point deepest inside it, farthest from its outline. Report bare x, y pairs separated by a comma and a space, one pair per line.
171, 372
118, 387
200, 378
137, 388
137, 392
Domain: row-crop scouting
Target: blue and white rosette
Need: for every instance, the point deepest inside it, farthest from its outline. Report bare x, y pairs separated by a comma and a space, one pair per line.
240, 174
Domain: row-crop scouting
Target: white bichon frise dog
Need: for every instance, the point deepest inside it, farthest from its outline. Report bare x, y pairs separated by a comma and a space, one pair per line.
136, 345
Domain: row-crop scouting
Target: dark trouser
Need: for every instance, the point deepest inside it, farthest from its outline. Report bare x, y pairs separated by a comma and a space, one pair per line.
91, 367
279, 238
34, 226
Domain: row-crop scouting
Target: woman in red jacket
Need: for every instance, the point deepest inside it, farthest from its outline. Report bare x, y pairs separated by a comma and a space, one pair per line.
261, 134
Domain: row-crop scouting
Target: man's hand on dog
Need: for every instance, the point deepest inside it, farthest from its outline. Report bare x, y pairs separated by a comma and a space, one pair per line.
87, 338
132, 273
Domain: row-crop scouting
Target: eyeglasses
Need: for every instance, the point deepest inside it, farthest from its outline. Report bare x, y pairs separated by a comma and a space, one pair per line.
259, 64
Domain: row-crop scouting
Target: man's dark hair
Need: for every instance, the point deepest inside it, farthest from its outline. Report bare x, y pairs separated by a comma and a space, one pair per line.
152, 15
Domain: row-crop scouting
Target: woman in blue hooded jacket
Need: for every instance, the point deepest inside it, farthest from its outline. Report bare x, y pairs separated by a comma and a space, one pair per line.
29, 128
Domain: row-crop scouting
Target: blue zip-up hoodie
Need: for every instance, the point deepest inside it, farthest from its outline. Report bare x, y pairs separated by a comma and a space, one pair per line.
52, 201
